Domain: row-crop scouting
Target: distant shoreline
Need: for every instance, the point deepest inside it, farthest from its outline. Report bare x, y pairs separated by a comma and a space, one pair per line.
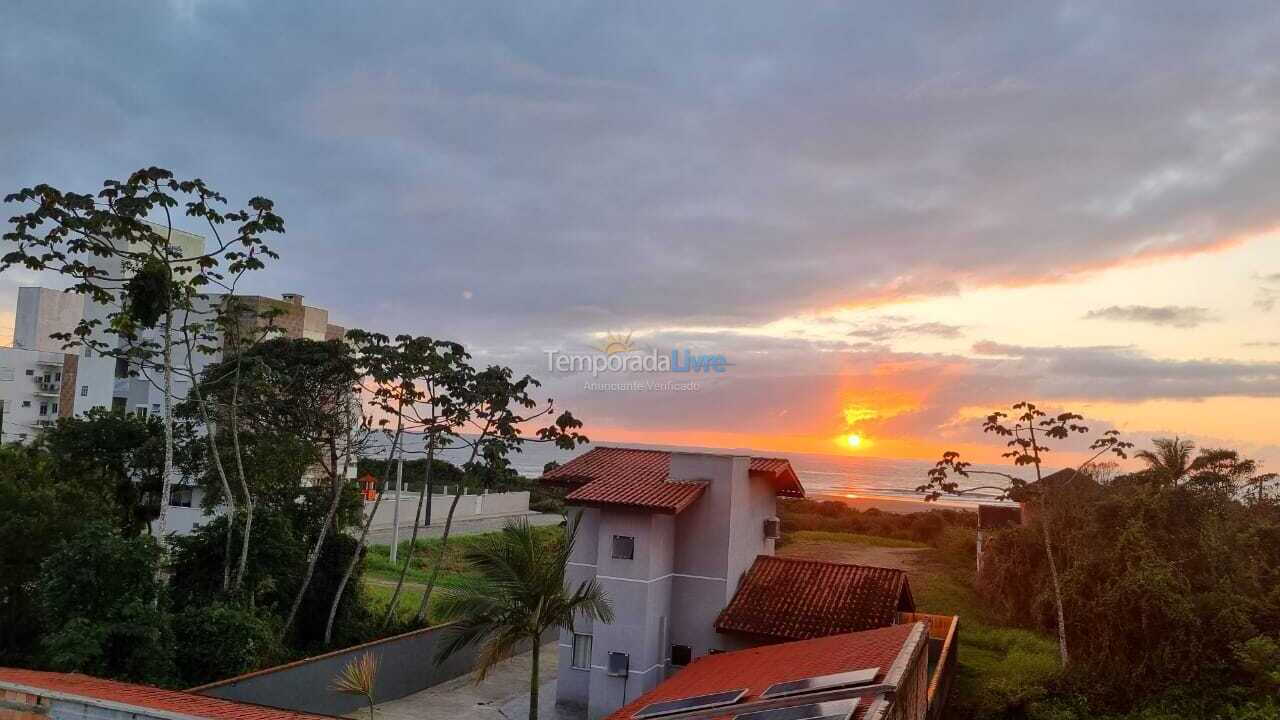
896, 505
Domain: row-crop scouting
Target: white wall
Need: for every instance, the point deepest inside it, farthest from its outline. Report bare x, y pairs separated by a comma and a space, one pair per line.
469, 507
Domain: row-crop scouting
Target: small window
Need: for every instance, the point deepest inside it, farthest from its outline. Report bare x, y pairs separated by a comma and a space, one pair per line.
53, 408
624, 547
155, 407
57, 377
141, 412
84, 391
181, 497
30, 371
44, 408
26, 403
681, 655
581, 651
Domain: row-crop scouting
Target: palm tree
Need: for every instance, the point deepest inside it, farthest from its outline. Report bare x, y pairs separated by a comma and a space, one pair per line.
358, 678
1170, 461
517, 594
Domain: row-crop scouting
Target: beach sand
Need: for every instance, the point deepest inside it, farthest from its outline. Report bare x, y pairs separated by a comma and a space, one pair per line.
896, 505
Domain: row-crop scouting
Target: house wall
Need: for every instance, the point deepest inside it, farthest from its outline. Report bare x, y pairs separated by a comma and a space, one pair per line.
573, 685
686, 568
640, 590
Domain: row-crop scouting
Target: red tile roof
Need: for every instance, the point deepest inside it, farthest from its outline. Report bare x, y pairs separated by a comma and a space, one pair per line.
143, 696
639, 478
758, 668
669, 497
798, 599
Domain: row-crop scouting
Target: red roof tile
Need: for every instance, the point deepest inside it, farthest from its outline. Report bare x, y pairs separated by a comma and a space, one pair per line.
639, 478
797, 599
758, 668
663, 496
144, 696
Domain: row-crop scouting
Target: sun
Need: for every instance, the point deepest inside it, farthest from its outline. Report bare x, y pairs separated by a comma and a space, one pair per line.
853, 440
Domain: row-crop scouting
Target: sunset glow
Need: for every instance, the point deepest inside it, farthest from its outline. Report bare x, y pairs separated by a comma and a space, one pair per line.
853, 440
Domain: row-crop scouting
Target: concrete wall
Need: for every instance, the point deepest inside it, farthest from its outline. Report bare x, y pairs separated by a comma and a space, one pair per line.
406, 665
469, 507
42, 312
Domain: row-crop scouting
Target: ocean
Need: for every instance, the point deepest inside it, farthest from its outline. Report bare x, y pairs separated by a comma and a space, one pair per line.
845, 476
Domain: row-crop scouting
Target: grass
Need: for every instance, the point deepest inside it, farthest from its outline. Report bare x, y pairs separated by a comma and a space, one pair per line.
1001, 671
819, 536
379, 571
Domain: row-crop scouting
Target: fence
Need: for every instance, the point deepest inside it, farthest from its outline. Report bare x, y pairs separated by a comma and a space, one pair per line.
406, 665
943, 643
470, 507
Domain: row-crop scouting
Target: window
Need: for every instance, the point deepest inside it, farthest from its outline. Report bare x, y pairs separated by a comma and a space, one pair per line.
681, 655
624, 547
122, 367
53, 408
581, 651
141, 412
155, 407
30, 371
180, 497
44, 408
26, 403
84, 391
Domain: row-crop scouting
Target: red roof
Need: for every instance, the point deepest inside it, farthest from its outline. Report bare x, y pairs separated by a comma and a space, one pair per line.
758, 668
640, 478
144, 696
669, 497
797, 599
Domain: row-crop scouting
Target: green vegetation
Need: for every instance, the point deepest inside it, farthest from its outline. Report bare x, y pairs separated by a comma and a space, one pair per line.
1169, 580
819, 536
516, 594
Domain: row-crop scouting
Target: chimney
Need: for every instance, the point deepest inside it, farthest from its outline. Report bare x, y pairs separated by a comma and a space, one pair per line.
292, 298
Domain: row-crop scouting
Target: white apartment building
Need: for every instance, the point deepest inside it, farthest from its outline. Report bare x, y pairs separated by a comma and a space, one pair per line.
41, 382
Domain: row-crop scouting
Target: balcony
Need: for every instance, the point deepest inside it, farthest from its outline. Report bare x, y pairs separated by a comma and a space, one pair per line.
48, 388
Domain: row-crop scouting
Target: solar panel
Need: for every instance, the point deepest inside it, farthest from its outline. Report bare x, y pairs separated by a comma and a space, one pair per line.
697, 702
822, 682
831, 710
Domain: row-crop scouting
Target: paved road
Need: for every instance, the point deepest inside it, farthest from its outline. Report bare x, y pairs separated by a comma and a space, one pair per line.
382, 536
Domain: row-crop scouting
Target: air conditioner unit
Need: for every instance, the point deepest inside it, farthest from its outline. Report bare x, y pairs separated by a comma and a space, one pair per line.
619, 664
772, 528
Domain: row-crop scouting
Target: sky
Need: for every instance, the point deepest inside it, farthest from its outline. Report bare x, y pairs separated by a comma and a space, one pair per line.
888, 218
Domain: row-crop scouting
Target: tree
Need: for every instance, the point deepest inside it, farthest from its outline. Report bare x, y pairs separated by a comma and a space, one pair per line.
1026, 432
308, 389
225, 639
38, 509
1170, 460
359, 677
410, 381
488, 410
124, 454
104, 607
517, 594
138, 271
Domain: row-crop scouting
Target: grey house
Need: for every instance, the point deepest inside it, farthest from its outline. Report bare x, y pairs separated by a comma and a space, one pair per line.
668, 535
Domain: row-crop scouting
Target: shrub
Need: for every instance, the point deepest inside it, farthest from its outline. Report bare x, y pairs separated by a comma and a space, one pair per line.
100, 595
226, 639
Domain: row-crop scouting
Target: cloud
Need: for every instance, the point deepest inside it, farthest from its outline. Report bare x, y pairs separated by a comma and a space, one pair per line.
892, 327
1125, 373
1268, 292
1172, 315
571, 174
